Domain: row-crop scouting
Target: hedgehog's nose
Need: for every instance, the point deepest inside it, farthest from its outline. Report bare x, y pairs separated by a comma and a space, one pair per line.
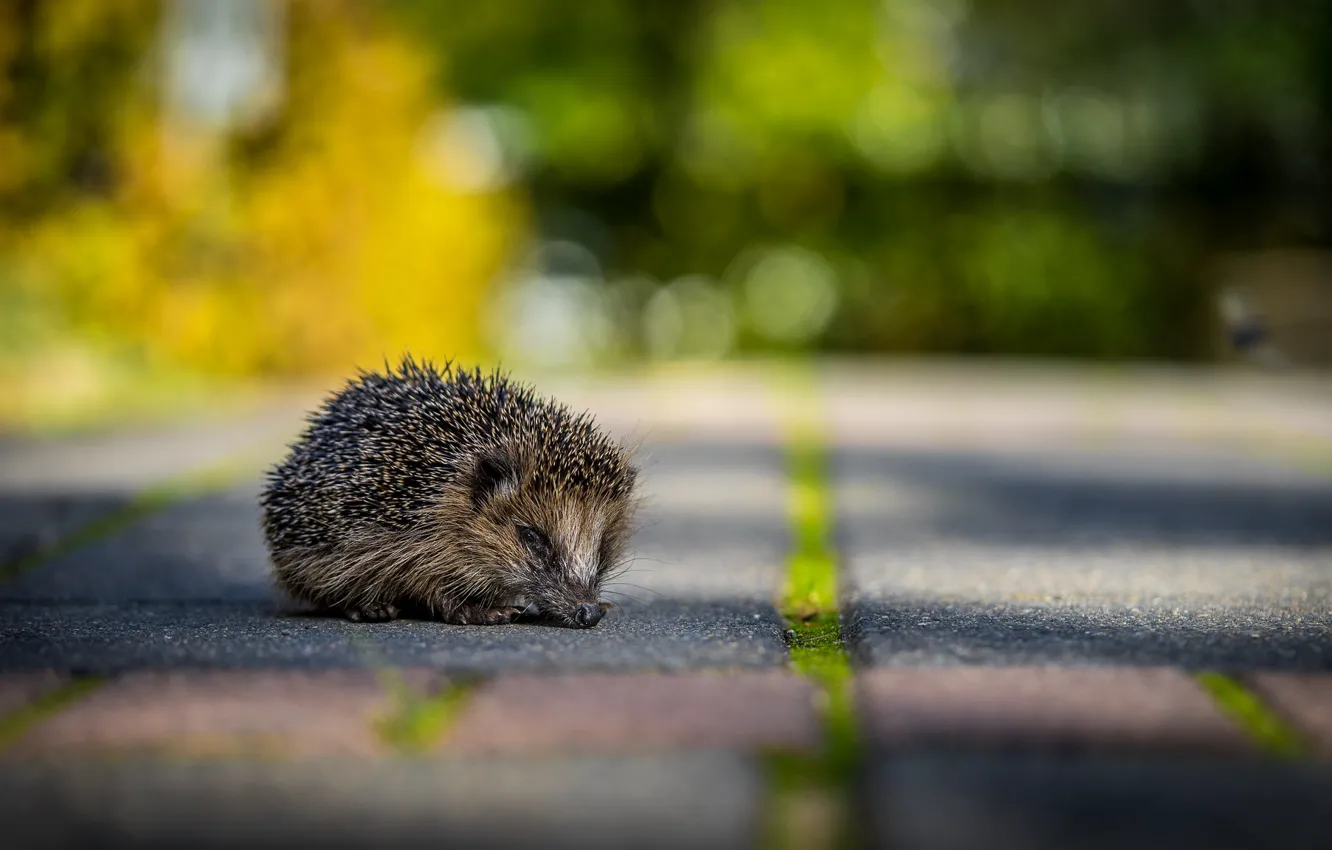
588, 615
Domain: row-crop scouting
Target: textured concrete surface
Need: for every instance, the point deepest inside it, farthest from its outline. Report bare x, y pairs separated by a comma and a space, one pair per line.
199, 713
52, 487
1121, 526
1029, 519
971, 404
126, 460
901, 630
727, 404
112, 638
190, 586
712, 527
1115, 710
701, 800
204, 547
1024, 802
598, 715
32, 523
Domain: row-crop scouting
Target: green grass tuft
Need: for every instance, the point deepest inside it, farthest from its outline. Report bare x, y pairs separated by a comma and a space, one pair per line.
811, 576
16, 723
419, 722
1268, 730
809, 806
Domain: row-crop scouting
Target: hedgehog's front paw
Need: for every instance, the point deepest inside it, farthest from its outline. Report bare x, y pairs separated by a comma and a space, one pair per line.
377, 612
504, 614
478, 615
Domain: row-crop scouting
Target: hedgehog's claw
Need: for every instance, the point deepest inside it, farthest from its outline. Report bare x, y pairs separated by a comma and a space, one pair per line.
377, 612
505, 614
477, 615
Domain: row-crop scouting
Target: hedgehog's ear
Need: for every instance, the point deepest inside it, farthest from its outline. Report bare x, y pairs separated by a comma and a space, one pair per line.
495, 474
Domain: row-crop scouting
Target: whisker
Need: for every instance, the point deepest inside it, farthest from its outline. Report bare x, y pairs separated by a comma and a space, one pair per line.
647, 559
637, 587
621, 595
617, 575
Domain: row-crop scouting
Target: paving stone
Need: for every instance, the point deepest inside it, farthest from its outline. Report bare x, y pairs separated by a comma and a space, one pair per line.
1061, 550
126, 460
718, 403
652, 635
591, 715
1085, 525
1026, 802
191, 585
204, 547
221, 712
972, 404
1087, 709
19, 690
912, 631
706, 800
705, 507
1302, 699
713, 522
53, 487
31, 524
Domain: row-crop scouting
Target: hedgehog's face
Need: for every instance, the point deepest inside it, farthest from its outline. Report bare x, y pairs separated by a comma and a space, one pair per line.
557, 549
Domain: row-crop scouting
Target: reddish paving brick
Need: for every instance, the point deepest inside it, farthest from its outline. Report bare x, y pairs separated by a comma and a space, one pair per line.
21, 689
1304, 700
1122, 708
220, 713
620, 714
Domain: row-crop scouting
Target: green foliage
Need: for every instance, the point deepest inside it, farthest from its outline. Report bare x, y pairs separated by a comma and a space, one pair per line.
982, 178
973, 177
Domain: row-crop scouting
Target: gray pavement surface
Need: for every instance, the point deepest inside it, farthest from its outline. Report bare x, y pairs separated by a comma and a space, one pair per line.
702, 800
921, 631
1028, 536
1019, 802
189, 586
32, 523
203, 548
984, 517
51, 487
106, 638
127, 459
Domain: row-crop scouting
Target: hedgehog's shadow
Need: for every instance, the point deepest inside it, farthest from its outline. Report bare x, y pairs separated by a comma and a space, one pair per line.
293, 611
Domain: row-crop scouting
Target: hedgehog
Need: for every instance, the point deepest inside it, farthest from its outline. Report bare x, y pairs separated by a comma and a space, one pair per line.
453, 495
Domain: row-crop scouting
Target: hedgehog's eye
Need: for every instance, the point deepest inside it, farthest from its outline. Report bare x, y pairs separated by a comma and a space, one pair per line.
536, 542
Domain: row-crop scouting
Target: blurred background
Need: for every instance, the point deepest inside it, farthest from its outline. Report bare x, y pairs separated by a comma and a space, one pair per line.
199, 194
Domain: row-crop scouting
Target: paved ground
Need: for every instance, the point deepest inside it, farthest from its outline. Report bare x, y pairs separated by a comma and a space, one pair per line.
1036, 563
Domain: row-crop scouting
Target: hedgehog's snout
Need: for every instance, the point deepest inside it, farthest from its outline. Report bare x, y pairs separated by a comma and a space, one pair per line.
588, 615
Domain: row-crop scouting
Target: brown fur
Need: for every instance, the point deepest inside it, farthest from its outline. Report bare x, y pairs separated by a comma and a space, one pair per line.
535, 518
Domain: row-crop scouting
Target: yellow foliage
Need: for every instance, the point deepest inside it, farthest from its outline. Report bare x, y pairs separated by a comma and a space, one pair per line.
322, 240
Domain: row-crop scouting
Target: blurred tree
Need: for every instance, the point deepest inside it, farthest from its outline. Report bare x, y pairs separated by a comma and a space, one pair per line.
337, 230
995, 176
887, 135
